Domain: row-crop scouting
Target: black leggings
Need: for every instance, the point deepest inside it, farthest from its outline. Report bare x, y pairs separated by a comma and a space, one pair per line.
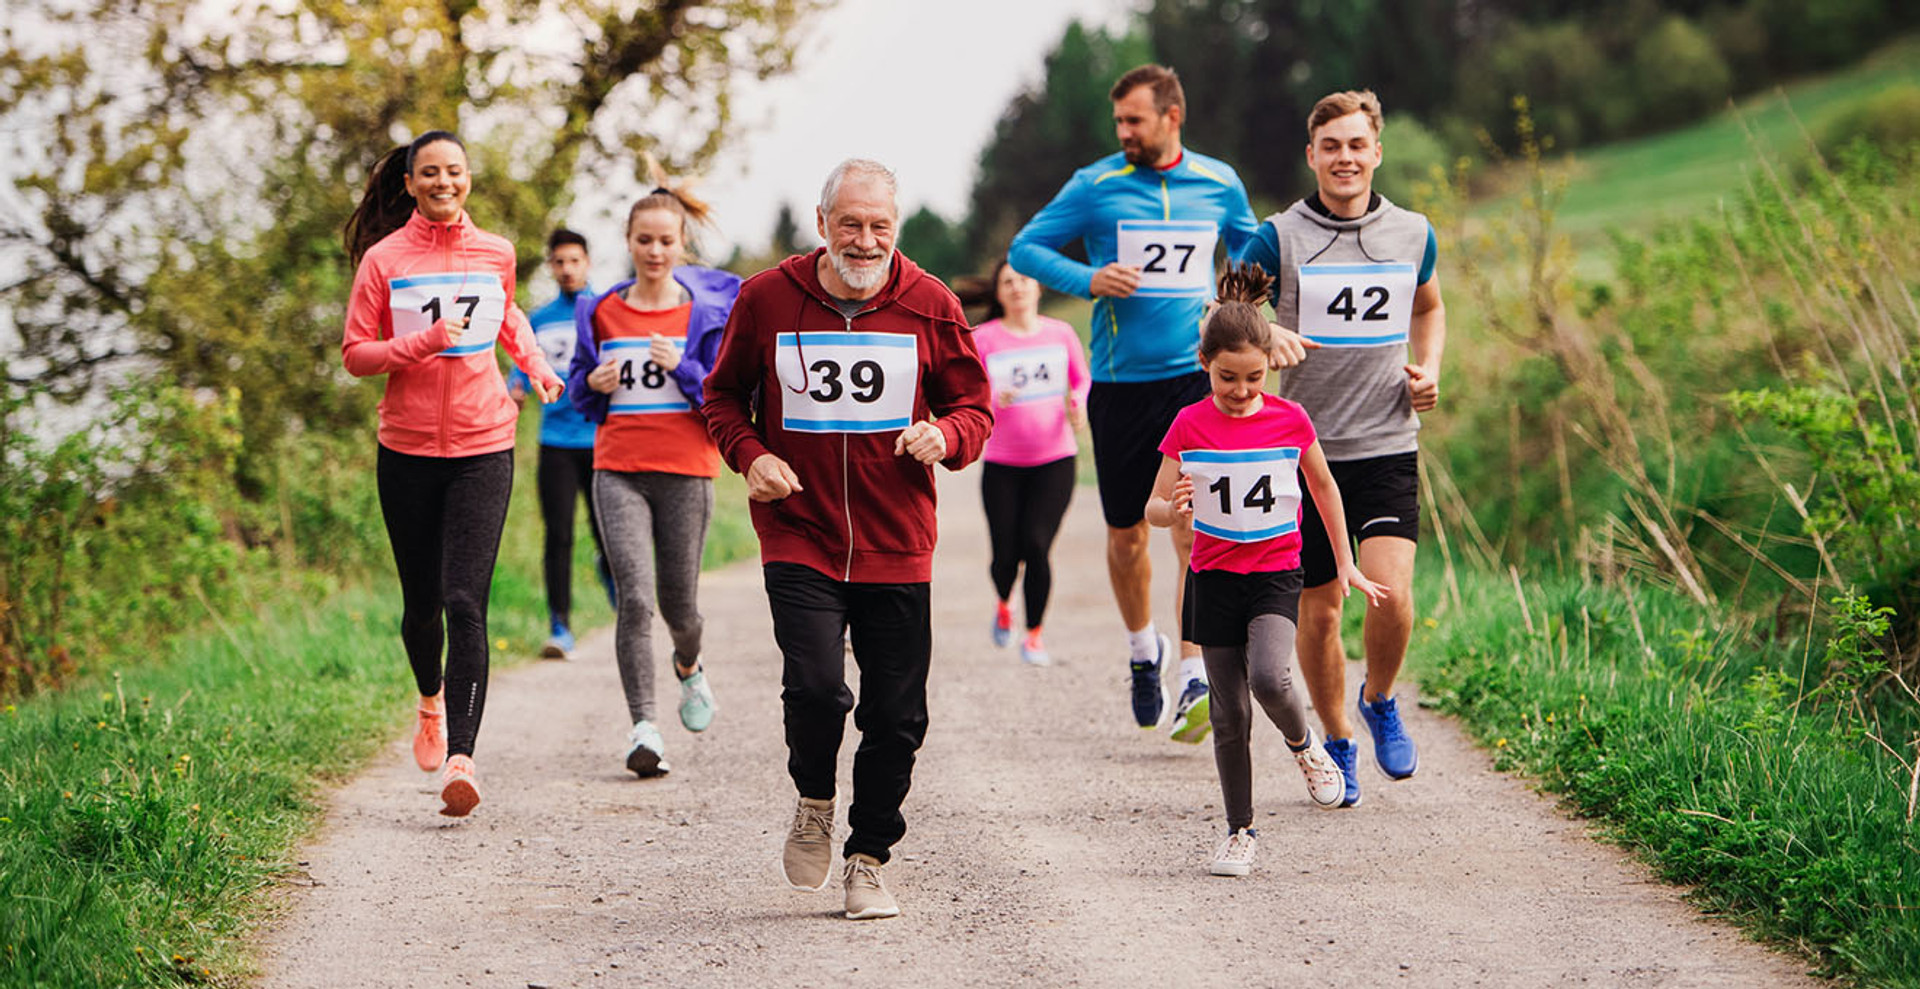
1024, 508
444, 516
564, 476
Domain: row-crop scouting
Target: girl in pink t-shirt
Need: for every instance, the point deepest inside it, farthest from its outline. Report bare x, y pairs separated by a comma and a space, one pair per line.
1233, 466
1040, 383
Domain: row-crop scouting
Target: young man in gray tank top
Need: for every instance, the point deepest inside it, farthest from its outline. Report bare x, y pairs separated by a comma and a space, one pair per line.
1355, 277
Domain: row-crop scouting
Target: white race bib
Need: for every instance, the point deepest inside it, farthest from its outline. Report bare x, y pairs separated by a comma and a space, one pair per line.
1175, 257
416, 302
847, 382
1356, 305
644, 388
1031, 374
1244, 496
557, 340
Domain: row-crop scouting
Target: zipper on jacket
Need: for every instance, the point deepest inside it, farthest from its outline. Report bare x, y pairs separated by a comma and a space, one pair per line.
446, 428
846, 469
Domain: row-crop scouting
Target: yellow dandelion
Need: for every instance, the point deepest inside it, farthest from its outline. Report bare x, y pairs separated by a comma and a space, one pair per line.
1430, 622
105, 696
1500, 743
11, 709
500, 644
99, 724
1549, 717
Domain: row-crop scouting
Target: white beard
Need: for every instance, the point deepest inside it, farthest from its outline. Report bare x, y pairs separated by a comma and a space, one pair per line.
861, 279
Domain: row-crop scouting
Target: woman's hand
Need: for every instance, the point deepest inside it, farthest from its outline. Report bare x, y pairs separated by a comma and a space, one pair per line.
1351, 577
662, 352
606, 377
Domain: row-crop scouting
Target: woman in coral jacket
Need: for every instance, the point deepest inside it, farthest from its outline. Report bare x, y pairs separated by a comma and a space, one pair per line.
431, 294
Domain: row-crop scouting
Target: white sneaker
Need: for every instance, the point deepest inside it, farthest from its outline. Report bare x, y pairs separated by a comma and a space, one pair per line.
646, 750
1234, 857
1326, 785
697, 706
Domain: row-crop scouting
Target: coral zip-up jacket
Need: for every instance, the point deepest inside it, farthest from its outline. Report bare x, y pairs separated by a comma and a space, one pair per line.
405, 287
827, 393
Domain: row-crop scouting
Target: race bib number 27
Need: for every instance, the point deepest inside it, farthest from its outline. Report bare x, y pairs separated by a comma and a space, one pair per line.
416, 302
836, 382
1175, 257
1244, 496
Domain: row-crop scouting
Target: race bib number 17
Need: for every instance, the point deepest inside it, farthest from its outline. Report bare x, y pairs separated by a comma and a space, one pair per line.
1244, 496
837, 382
1175, 257
416, 302
1356, 305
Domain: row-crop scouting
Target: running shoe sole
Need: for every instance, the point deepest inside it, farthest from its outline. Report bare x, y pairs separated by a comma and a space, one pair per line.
1361, 706
460, 796
645, 762
552, 650
1230, 868
1197, 722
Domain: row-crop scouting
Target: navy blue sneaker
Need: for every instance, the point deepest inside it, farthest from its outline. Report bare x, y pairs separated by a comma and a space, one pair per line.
1151, 697
1393, 751
1192, 716
1346, 755
559, 644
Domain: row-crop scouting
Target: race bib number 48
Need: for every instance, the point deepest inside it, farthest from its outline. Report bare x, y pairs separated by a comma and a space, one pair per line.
1175, 257
1029, 374
1356, 305
1244, 496
416, 302
644, 388
847, 382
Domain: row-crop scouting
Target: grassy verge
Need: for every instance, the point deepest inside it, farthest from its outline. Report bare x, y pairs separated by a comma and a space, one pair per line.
144, 812
1691, 742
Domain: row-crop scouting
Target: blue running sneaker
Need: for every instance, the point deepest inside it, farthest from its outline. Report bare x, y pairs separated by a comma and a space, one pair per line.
1346, 755
559, 644
1151, 697
1393, 751
1191, 720
1002, 625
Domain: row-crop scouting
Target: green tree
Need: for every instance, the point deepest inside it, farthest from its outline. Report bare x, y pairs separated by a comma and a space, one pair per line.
936, 245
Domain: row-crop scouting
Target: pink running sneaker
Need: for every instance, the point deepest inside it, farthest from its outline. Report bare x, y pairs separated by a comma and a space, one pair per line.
430, 734
458, 789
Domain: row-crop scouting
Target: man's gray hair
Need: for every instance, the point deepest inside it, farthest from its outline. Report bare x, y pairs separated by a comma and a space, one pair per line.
861, 167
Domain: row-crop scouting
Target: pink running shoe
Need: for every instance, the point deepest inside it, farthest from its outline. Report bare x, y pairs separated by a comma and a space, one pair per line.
458, 789
430, 734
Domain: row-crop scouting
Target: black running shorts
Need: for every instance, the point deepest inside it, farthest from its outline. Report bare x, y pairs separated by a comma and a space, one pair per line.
1220, 604
1381, 496
1128, 420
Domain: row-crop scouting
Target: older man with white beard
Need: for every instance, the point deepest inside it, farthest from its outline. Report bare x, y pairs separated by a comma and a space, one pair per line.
844, 376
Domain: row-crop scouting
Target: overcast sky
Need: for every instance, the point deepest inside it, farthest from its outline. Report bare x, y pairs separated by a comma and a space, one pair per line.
925, 81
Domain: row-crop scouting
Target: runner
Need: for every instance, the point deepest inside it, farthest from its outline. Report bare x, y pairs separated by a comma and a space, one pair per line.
1356, 278
1149, 218
1232, 468
431, 293
1039, 374
846, 374
642, 351
565, 471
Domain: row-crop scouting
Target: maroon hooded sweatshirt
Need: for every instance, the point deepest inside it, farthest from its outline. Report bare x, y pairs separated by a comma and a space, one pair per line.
826, 393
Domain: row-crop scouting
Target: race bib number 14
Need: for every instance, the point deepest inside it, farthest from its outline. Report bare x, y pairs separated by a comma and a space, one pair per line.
1356, 305
1244, 496
416, 302
1175, 257
847, 382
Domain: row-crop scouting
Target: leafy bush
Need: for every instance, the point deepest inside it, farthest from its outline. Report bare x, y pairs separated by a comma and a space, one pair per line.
1888, 120
1409, 155
1678, 74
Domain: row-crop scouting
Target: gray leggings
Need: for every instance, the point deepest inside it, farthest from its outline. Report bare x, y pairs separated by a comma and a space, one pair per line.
1262, 664
652, 525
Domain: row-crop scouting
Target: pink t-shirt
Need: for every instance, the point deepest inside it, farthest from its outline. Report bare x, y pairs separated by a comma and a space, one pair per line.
1246, 483
1034, 376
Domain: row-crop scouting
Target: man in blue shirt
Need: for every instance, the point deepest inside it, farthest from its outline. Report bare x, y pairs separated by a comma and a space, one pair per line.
566, 442
1150, 218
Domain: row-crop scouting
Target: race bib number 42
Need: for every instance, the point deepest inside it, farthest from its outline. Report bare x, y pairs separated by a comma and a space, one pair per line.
1175, 257
847, 382
416, 302
1356, 305
1244, 496
643, 388
1029, 374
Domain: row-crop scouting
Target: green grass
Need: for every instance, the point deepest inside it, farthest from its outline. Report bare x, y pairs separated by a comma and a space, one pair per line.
144, 812
1688, 740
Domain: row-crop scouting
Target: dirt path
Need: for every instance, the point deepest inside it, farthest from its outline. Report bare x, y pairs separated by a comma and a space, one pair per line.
1050, 843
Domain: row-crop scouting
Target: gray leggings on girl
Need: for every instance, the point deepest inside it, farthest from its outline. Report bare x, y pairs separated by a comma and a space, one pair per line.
1262, 664
654, 528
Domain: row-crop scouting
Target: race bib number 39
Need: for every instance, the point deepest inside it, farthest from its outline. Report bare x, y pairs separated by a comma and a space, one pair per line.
1175, 257
1356, 305
1029, 374
847, 382
1244, 496
643, 388
416, 302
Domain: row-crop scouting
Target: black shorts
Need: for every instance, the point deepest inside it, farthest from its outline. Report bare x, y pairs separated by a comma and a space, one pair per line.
1128, 419
1220, 604
1381, 496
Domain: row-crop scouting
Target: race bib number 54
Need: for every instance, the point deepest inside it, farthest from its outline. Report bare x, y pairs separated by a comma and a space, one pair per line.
1175, 257
1029, 374
1356, 305
837, 382
1244, 496
416, 302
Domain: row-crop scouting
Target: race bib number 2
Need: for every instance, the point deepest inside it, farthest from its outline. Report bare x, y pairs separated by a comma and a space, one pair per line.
1029, 374
1356, 305
1175, 257
416, 302
1244, 496
837, 382
643, 388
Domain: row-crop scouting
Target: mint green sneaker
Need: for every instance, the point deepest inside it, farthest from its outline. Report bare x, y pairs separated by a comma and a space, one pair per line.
697, 706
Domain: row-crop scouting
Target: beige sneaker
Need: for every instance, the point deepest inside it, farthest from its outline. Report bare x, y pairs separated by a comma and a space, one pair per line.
807, 858
867, 896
